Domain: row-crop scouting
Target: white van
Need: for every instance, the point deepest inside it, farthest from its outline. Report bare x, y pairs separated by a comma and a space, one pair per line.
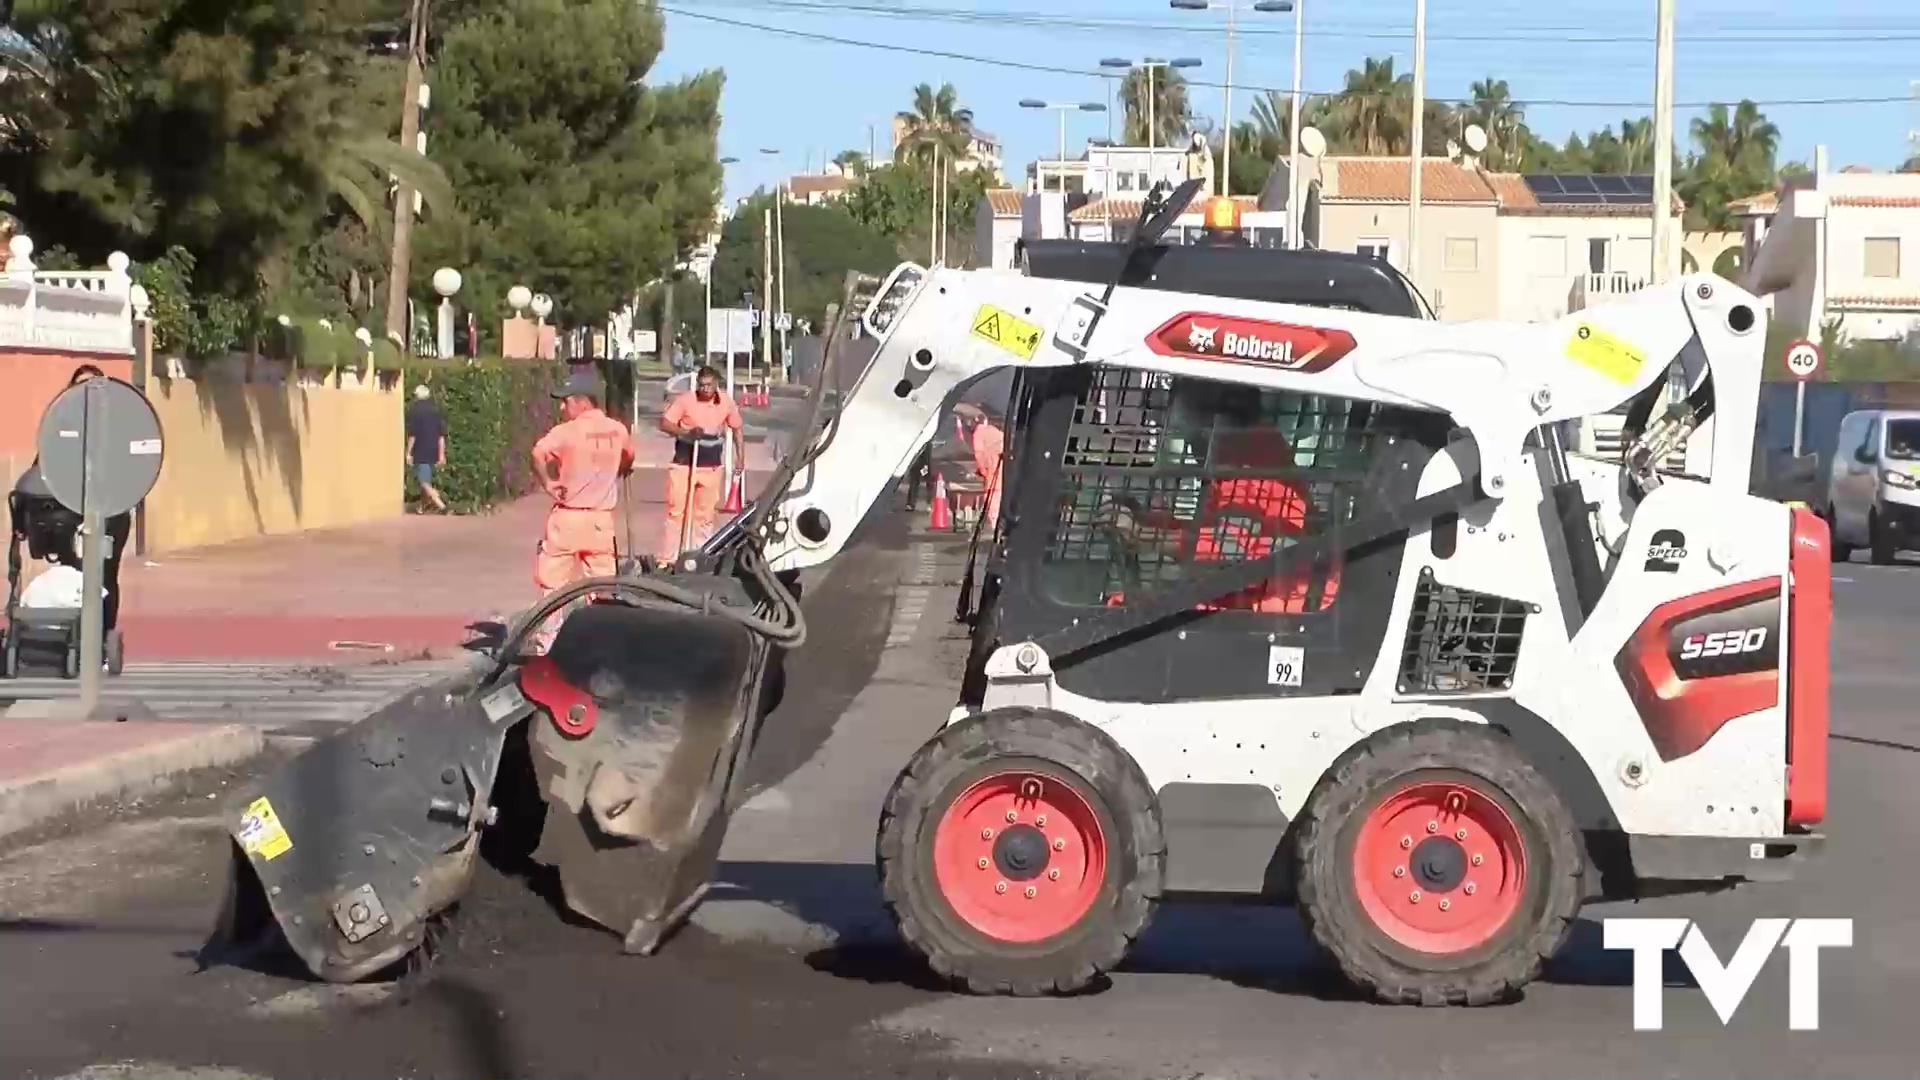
1873, 484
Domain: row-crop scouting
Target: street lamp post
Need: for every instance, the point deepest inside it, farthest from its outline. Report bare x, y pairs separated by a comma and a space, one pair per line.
1417, 143
1663, 142
713, 257
1149, 65
1232, 8
1063, 108
1294, 217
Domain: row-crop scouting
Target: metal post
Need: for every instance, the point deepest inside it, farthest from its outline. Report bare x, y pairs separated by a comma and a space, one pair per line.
780, 241
1416, 151
1663, 143
93, 561
1060, 163
1294, 217
933, 242
1799, 414
1152, 116
766, 301
1226, 123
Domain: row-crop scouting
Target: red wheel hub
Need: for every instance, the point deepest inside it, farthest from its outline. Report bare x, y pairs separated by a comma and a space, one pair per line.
1440, 867
1020, 856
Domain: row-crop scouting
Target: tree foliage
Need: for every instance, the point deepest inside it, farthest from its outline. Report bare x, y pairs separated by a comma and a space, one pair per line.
575, 177
896, 202
1172, 116
823, 243
146, 125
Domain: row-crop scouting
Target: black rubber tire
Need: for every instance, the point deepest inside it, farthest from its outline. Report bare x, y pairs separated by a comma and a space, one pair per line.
1101, 772
71, 668
1841, 551
116, 652
9, 656
1325, 836
1880, 542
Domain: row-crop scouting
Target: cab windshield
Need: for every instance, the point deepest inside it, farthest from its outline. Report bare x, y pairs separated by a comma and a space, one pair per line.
1903, 439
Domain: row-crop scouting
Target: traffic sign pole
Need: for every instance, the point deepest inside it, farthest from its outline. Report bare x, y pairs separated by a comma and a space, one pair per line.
93, 557
1803, 361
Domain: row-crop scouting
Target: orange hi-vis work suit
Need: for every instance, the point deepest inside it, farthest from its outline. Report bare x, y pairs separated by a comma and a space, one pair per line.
699, 465
1248, 517
590, 452
989, 443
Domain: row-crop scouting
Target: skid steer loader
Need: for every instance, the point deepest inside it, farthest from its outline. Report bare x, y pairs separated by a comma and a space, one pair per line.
1296, 596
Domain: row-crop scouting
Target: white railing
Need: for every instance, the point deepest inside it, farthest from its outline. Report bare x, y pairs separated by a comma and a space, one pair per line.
78, 310
1591, 289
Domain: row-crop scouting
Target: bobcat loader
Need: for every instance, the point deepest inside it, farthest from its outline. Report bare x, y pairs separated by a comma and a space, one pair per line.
1296, 597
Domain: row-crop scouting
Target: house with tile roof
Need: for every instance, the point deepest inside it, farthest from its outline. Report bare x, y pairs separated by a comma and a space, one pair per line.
1840, 247
1570, 241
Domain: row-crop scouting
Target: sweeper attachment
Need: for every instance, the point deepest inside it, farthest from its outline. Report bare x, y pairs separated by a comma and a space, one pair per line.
1295, 596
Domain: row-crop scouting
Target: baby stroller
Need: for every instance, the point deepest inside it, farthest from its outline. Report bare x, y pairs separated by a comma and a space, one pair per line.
40, 638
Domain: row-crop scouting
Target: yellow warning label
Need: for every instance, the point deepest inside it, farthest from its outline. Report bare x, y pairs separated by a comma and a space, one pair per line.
261, 833
1006, 330
1605, 353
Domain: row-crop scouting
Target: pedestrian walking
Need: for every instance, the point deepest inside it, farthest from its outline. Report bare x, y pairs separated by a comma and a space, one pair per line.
580, 463
701, 421
426, 443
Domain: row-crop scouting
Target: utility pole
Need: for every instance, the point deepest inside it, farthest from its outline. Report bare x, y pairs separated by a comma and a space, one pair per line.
780, 242
1418, 149
1226, 122
399, 266
1662, 142
767, 292
933, 241
1294, 216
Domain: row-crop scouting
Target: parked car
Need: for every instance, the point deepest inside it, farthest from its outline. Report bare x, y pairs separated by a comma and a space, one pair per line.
1872, 497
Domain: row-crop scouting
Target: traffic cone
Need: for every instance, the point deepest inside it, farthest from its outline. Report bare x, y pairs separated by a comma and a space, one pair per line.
940, 515
735, 501
764, 395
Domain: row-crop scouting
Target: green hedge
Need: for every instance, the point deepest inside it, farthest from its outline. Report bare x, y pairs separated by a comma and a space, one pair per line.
495, 411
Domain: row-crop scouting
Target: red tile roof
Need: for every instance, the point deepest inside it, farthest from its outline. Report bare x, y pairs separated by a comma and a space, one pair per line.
1885, 202
1126, 206
1005, 202
803, 186
1386, 179
1895, 302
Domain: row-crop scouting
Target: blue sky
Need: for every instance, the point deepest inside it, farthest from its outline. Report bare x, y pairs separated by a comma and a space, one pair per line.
811, 98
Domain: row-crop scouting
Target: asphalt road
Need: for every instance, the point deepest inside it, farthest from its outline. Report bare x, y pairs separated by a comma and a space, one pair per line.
791, 970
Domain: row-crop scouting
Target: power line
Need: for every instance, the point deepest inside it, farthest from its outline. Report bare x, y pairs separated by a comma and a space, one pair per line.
1051, 69
1050, 21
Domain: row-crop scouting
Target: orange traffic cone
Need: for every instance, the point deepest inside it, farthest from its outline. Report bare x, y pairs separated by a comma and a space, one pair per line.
765, 396
940, 514
735, 498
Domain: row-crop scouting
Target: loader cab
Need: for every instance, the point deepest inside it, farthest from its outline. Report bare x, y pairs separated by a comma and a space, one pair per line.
1331, 279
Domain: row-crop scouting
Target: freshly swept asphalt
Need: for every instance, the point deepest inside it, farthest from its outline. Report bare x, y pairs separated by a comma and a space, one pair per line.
791, 971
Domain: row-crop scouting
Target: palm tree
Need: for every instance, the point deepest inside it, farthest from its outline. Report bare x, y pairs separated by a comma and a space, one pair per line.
1172, 114
1494, 110
935, 123
361, 170
1745, 139
1373, 102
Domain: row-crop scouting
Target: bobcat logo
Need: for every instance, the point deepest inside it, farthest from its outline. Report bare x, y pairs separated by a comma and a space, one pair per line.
1200, 338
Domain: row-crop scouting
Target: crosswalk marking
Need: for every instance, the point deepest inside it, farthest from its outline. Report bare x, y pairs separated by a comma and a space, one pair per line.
284, 698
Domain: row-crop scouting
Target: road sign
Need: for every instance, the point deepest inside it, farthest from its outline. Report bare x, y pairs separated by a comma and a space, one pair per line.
729, 331
646, 341
783, 322
1803, 359
113, 423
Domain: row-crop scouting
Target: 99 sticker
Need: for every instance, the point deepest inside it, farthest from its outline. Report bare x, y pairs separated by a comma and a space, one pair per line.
1284, 665
261, 833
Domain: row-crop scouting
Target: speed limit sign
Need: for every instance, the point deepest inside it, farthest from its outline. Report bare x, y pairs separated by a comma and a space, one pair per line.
1803, 359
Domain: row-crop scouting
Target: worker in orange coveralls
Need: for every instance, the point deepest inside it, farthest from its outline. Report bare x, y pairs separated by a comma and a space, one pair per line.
1245, 518
700, 421
989, 445
580, 463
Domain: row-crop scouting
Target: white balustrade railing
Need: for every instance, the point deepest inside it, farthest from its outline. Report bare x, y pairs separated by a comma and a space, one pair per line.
71, 310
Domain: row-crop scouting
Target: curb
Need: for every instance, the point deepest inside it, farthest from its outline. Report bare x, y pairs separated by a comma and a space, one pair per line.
31, 800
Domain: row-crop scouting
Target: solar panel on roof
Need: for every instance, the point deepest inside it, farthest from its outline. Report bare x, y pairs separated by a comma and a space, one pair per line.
1611, 185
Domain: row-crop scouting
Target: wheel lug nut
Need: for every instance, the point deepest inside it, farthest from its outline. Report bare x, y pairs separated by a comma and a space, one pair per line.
1041, 821
1032, 892
986, 834
1000, 887
1406, 842
1433, 826
1459, 834
1059, 845
1053, 874
1445, 904
1013, 815
1472, 888
1414, 896
1477, 860
982, 864
1399, 871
